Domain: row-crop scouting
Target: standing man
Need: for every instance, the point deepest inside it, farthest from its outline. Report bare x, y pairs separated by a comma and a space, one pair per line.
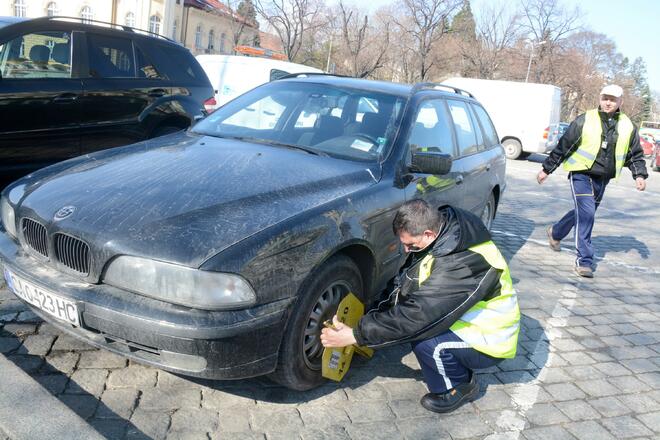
594, 148
454, 302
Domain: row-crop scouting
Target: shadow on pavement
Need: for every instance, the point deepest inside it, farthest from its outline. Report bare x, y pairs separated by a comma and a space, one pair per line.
21, 338
613, 243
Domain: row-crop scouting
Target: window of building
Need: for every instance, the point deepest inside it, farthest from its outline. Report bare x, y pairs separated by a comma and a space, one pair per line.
110, 57
175, 25
86, 14
198, 37
42, 54
154, 24
20, 10
51, 9
211, 40
223, 37
130, 19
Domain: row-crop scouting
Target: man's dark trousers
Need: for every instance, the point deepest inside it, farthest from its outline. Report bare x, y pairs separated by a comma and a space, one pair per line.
447, 361
587, 194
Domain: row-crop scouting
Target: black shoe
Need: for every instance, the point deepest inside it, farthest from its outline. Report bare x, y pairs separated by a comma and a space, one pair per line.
451, 399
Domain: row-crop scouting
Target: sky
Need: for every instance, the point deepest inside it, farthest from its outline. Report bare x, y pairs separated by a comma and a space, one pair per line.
633, 25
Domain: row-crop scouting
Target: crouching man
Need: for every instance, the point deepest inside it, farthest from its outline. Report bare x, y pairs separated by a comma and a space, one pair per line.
454, 302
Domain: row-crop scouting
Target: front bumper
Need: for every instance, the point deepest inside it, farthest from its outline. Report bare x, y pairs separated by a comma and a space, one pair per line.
209, 344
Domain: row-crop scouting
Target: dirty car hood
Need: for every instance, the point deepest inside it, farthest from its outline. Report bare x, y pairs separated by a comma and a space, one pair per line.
183, 198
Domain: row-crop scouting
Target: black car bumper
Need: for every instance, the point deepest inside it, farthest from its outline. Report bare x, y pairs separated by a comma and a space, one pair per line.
208, 344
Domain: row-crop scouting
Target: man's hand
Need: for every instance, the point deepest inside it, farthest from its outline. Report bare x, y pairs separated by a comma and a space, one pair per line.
541, 176
640, 183
340, 336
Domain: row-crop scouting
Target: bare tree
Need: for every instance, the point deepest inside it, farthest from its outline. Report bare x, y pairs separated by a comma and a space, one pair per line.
546, 24
242, 19
291, 19
427, 21
365, 51
497, 31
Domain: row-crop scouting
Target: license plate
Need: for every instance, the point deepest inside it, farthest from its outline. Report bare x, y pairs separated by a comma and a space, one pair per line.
61, 308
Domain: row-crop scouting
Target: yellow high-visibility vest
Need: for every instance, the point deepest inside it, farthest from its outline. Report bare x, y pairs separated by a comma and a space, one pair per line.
492, 326
592, 131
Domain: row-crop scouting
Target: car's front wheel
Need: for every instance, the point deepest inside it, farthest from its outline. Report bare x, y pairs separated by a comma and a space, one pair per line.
299, 363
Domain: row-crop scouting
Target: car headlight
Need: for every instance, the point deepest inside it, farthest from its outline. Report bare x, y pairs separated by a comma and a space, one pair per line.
179, 284
8, 217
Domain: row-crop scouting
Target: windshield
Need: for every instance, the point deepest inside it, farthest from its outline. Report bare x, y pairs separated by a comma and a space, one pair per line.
318, 118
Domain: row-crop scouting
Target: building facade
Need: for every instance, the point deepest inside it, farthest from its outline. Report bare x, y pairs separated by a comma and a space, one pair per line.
203, 26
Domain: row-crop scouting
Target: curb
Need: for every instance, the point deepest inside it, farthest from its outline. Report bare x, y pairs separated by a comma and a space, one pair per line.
28, 411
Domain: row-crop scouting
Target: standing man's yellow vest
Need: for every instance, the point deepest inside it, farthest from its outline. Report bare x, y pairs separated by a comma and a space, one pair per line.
583, 158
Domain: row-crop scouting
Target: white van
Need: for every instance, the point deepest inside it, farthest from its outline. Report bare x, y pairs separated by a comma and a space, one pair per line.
520, 111
233, 75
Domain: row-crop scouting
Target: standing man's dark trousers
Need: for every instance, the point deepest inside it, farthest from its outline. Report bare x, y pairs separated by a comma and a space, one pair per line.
448, 361
587, 193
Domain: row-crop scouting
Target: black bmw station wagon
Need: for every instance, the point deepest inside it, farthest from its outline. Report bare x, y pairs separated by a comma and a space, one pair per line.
218, 252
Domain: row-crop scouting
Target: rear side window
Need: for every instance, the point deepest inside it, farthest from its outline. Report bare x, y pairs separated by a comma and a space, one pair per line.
145, 68
277, 74
110, 57
43, 54
465, 131
183, 65
490, 135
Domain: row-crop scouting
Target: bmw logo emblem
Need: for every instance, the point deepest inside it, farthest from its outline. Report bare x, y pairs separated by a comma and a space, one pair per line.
64, 212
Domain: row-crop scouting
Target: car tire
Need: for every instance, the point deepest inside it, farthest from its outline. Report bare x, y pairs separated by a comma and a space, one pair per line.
299, 362
162, 131
488, 214
512, 149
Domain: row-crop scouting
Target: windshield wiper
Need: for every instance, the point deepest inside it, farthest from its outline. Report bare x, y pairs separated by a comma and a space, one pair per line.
278, 144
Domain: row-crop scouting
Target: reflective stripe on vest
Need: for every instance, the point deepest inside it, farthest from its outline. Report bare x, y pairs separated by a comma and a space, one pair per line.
492, 326
592, 131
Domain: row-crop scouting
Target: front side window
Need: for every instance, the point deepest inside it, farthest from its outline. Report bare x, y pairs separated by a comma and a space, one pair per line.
86, 14
465, 131
20, 10
43, 54
154, 24
110, 57
432, 130
314, 117
51, 9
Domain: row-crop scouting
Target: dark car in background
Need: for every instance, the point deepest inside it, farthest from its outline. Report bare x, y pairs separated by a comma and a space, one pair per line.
218, 252
552, 134
69, 88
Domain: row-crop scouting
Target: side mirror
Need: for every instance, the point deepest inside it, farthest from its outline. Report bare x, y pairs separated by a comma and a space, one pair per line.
430, 162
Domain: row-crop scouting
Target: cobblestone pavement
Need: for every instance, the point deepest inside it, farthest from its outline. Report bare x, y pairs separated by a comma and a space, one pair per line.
588, 363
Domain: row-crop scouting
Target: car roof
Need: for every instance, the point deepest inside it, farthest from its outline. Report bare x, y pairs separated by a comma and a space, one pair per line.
76, 23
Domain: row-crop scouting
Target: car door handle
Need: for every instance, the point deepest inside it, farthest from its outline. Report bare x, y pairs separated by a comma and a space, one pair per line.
488, 167
459, 179
156, 93
65, 97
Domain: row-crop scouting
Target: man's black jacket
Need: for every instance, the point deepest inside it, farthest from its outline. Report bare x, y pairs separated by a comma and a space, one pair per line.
604, 165
459, 279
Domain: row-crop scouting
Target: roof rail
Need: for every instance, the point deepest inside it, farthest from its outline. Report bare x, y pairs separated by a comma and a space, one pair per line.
434, 86
304, 74
111, 25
